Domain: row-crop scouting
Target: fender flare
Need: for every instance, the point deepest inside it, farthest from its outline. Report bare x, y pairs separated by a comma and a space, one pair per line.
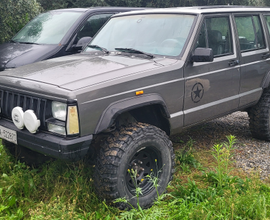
116, 108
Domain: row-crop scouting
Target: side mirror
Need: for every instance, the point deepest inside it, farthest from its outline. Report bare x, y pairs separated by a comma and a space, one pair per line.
202, 55
2, 67
82, 43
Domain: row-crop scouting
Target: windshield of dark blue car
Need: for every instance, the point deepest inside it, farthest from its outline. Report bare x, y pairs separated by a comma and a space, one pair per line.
47, 28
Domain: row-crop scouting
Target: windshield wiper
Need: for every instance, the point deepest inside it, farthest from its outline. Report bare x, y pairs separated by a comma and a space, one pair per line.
26, 42
99, 47
132, 50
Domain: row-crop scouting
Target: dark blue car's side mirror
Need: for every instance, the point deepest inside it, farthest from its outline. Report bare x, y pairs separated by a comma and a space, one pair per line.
2, 67
82, 43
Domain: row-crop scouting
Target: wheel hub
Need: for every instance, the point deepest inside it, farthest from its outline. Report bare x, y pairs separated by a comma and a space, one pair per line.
136, 166
142, 164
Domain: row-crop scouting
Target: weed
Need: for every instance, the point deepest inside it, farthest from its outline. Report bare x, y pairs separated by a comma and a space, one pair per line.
152, 178
62, 190
138, 190
185, 157
223, 155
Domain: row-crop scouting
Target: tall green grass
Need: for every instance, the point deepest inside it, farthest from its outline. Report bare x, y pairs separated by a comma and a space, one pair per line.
204, 187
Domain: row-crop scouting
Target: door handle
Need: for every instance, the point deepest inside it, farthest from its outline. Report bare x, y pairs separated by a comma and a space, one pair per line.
233, 62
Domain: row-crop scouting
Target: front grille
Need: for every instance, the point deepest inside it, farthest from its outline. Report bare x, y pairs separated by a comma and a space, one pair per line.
10, 99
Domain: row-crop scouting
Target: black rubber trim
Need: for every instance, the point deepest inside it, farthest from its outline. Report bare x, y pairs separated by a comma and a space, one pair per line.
118, 107
266, 81
51, 145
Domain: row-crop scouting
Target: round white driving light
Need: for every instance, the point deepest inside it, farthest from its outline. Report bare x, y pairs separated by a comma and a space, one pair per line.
30, 121
17, 117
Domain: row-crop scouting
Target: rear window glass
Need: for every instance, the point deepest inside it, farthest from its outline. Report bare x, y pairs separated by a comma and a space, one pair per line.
250, 32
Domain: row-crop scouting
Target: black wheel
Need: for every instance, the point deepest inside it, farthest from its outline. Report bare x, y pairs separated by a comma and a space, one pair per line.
259, 118
126, 160
24, 154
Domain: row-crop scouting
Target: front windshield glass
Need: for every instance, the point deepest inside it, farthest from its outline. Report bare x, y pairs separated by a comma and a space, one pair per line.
47, 28
159, 34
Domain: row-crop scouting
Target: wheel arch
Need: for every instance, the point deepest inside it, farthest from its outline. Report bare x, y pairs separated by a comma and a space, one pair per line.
136, 106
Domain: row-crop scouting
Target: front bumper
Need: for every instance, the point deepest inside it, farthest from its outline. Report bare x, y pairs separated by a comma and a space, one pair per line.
50, 145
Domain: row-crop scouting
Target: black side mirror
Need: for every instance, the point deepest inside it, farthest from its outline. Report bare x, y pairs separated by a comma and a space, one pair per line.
202, 55
2, 67
82, 43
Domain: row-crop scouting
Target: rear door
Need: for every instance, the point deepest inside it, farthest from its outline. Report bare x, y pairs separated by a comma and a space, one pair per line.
211, 88
254, 56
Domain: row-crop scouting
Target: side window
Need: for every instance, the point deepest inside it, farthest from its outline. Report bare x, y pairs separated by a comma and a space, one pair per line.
216, 34
267, 18
250, 32
92, 25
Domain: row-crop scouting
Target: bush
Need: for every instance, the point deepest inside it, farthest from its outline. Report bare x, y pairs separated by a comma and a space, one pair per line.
56, 4
53, 4
14, 14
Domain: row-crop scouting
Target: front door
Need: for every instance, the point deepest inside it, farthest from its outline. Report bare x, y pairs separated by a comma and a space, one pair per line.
212, 88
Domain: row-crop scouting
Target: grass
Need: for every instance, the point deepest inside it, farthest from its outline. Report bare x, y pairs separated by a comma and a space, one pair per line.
205, 186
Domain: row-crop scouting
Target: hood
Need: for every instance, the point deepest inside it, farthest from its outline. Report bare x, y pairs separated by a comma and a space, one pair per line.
13, 55
81, 70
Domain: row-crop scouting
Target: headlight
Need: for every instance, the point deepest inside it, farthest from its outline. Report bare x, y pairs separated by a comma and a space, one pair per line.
65, 119
56, 129
59, 110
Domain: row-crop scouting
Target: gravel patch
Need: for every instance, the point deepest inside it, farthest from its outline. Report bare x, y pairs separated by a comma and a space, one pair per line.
250, 153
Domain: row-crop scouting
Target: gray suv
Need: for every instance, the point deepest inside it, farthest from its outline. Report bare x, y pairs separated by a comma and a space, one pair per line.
144, 76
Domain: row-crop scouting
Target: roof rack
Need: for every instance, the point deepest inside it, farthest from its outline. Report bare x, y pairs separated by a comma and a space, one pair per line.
222, 6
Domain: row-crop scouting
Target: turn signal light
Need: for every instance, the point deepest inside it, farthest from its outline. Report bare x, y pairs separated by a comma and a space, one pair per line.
139, 92
72, 120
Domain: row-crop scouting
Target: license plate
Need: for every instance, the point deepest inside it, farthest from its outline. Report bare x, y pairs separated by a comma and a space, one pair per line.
8, 134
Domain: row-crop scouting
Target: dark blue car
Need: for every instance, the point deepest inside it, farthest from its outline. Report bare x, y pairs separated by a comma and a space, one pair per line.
55, 33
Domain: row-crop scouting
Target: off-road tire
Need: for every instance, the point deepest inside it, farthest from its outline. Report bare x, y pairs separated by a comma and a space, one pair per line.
135, 147
24, 154
259, 118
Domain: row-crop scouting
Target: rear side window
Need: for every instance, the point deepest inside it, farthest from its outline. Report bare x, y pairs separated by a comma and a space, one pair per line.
250, 32
216, 34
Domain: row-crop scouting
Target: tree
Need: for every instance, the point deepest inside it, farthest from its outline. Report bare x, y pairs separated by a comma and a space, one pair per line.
14, 14
266, 2
56, 4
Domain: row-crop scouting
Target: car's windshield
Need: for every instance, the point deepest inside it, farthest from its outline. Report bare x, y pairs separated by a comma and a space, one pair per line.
159, 34
47, 28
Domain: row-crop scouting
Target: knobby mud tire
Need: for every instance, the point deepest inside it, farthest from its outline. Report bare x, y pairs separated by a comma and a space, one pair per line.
141, 147
259, 118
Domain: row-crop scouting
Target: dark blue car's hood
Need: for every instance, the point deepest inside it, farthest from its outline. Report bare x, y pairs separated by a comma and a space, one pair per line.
13, 55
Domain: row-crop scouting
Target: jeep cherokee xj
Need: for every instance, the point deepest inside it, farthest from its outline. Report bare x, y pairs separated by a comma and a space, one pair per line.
144, 76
